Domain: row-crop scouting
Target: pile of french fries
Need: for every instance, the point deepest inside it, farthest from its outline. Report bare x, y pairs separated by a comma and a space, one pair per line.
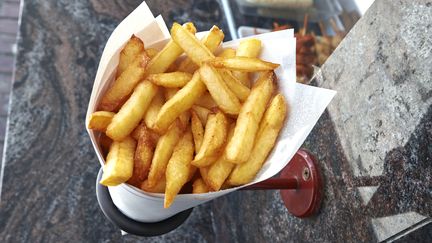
181, 115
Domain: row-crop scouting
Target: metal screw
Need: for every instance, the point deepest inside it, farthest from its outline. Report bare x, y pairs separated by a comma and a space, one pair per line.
306, 174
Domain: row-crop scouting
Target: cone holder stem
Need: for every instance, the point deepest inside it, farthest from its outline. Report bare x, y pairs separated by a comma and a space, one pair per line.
299, 183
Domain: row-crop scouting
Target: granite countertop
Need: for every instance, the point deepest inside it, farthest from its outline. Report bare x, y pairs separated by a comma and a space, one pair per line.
373, 143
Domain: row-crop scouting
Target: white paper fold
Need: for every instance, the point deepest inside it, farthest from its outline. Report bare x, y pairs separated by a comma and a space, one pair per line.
306, 104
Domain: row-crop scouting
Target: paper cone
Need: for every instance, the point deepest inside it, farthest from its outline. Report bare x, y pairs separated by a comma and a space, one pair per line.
306, 104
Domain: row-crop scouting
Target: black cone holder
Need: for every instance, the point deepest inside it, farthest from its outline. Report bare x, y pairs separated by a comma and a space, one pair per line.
299, 183
132, 226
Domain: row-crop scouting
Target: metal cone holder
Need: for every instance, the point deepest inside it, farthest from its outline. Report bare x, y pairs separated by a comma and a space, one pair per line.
299, 183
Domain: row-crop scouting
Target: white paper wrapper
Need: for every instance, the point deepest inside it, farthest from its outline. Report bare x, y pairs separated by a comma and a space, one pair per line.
306, 104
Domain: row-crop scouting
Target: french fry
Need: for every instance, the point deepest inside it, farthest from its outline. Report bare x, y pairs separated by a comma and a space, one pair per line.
228, 52
183, 117
220, 169
100, 120
164, 149
192, 172
193, 48
239, 89
247, 48
154, 108
179, 103
206, 101
158, 188
140, 129
197, 131
215, 134
199, 186
143, 156
270, 126
119, 163
201, 112
245, 64
125, 83
131, 113
151, 52
170, 80
212, 40
179, 168
167, 56
130, 51
204, 173
240, 145
136, 133
222, 95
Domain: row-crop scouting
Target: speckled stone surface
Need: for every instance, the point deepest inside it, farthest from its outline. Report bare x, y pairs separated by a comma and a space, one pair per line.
48, 190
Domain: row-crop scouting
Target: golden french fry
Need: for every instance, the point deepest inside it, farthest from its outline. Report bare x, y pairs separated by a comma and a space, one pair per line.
143, 156
167, 56
247, 48
206, 101
100, 120
270, 126
239, 89
219, 172
197, 131
199, 186
154, 108
136, 133
204, 173
125, 83
179, 103
245, 64
183, 117
163, 152
158, 188
192, 172
179, 168
170, 80
131, 113
142, 128
151, 52
119, 163
201, 112
220, 169
130, 51
193, 48
222, 95
240, 145
212, 40
228, 52
215, 134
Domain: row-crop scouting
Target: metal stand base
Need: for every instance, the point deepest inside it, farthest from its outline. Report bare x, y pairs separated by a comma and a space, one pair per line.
305, 200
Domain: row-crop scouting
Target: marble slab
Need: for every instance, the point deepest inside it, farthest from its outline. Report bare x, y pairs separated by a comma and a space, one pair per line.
377, 185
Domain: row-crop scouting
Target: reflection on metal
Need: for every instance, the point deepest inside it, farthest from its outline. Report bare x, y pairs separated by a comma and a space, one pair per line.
391, 225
